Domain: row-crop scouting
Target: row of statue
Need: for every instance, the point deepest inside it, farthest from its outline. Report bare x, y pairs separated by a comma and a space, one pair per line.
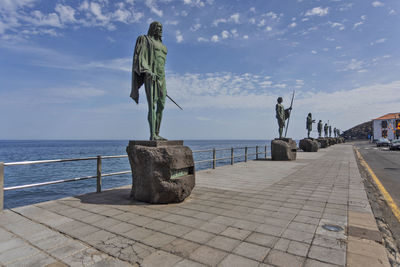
148, 69
327, 128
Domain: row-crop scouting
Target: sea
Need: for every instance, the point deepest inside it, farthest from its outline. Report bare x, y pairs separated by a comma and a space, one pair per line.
32, 150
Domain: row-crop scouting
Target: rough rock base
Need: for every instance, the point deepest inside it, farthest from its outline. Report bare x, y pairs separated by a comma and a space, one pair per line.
162, 171
308, 145
283, 149
323, 142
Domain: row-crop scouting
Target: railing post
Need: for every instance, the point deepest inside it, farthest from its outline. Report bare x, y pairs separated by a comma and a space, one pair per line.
245, 154
98, 174
232, 160
256, 152
1, 186
265, 151
214, 158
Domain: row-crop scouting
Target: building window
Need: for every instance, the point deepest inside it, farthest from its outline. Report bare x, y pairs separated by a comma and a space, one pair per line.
384, 124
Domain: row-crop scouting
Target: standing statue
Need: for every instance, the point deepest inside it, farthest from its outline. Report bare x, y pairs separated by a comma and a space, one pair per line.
309, 123
148, 69
335, 131
330, 130
326, 130
319, 128
282, 115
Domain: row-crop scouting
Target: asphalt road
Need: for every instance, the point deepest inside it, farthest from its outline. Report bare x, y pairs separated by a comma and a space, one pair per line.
386, 166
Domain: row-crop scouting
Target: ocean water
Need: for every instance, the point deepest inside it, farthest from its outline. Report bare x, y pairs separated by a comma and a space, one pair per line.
12, 151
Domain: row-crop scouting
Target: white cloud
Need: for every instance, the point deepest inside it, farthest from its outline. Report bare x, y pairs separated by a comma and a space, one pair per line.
292, 25
317, 11
202, 39
66, 13
197, 3
261, 23
218, 21
379, 41
235, 18
272, 15
313, 52
179, 37
338, 47
338, 25
357, 24
95, 8
377, 4
280, 85
153, 7
215, 38
252, 9
225, 34
195, 27
268, 29
245, 37
352, 65
40, 19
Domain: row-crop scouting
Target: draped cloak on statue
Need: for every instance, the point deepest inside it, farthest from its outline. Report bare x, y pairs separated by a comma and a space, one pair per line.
143, 59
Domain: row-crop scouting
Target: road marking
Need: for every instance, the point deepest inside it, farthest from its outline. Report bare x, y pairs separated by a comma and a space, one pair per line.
386, 195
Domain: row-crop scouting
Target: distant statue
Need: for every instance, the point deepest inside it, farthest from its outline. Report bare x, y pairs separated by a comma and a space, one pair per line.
326, 130
335, 131
282, 115
320, 129
330, 131
148, 69
309, 123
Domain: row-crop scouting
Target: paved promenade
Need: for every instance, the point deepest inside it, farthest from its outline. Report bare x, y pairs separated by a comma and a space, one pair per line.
259, 213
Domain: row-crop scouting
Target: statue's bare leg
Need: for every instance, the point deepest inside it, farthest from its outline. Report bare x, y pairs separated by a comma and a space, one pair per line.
160, 108
152, 109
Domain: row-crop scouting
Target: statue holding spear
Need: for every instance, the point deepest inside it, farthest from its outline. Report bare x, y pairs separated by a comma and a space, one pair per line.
282, 114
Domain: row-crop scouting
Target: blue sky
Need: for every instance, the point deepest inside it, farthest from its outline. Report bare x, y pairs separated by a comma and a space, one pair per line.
65, 66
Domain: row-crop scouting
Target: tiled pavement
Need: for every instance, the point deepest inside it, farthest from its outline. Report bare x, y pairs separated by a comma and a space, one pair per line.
259, 213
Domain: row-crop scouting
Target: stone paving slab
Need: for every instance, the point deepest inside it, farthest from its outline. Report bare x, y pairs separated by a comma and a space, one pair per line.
258, 213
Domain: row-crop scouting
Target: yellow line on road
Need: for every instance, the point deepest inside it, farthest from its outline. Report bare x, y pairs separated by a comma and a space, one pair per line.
386, 195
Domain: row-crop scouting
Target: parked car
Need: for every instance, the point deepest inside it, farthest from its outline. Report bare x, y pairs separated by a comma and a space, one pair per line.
382, 142
395, 144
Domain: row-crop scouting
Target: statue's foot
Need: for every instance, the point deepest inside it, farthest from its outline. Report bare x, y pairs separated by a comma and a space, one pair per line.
159, 137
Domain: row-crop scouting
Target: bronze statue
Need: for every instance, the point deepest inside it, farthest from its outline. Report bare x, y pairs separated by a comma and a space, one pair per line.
148, 69
330, 130
326, 129
309, 123
335, 131
282, 115
320, 129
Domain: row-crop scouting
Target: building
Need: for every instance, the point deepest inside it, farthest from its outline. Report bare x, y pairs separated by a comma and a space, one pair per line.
387, 126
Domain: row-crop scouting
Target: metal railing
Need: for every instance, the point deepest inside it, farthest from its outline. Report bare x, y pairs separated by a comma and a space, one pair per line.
99, 173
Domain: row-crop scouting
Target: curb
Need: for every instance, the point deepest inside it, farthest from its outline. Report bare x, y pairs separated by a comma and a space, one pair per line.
389, 200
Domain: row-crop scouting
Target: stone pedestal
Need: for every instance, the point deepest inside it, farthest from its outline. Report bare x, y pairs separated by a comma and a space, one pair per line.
323, 142
162, 171
308, 145
283, 149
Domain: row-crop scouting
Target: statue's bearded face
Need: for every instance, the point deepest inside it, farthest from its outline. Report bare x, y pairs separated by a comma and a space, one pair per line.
155, 30
158, 31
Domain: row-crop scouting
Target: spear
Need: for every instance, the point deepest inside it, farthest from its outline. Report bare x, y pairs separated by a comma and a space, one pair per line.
291, 105
174, 102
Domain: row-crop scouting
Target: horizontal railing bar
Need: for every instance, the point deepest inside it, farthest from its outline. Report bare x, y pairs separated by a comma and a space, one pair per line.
63, 181
206, 160
114, 157
49, 183
199, 151
115, 173
45, 161
223, 158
